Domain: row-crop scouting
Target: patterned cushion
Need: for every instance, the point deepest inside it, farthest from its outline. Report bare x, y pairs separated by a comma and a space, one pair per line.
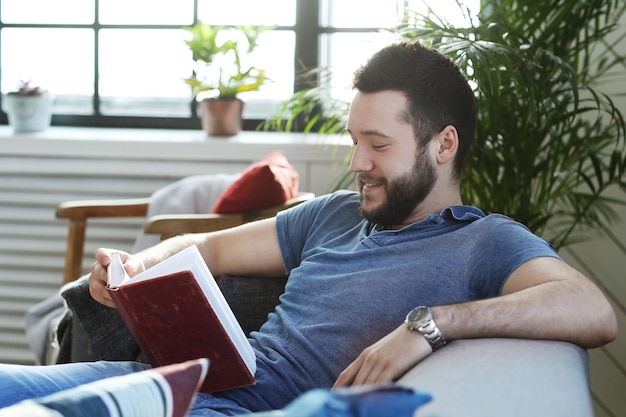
165, 391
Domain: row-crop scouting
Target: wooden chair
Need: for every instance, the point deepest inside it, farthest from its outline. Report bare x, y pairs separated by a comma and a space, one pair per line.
78, 212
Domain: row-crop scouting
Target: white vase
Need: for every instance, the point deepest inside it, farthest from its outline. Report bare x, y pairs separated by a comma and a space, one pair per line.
28, 113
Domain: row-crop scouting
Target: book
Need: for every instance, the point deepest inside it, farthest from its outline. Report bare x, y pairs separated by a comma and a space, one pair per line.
176, 312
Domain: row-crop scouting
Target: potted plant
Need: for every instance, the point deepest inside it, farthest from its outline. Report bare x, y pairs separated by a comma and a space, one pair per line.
550, 147
221, 67
29, 109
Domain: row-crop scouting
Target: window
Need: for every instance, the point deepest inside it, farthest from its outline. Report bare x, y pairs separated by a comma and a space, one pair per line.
121, 62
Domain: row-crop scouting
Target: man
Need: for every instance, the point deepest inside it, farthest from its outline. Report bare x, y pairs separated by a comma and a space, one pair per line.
359, 263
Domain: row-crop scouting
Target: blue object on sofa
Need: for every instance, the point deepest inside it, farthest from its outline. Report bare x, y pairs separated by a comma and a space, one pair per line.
364, 401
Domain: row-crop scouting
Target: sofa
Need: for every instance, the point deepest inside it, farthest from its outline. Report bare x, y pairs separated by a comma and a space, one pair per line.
480, 377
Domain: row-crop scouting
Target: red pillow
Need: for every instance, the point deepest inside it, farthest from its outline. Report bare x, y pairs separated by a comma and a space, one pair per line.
264, 184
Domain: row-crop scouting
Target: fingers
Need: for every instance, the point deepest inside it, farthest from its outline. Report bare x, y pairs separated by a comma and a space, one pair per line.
371, 367
98, 277
103, 255
386, 360
97, 288
346, 378
133, 266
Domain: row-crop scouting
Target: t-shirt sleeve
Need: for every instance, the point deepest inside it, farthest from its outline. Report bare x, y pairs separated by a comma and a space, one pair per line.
292, 228
502, 247
312, 223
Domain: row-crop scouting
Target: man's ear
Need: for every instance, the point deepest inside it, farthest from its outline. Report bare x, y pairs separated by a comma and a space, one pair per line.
448, 143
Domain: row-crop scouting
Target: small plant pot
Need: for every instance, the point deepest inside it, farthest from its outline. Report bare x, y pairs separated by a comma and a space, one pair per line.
221, 117
28, 113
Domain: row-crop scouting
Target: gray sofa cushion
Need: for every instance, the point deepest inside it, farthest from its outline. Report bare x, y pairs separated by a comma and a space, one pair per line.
251, 299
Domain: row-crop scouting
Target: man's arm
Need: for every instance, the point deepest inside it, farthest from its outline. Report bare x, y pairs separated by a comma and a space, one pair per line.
250, 249
542, 299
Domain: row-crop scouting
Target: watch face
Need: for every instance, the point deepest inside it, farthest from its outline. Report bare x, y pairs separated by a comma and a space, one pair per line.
417, 316
421, 319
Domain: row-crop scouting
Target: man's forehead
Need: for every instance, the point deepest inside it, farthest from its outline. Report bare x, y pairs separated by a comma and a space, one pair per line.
373, 114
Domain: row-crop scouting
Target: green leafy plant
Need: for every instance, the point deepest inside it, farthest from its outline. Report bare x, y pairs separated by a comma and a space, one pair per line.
311, 109
550, 146
220, 55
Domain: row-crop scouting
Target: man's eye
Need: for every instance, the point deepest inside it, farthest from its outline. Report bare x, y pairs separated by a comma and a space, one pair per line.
379, 146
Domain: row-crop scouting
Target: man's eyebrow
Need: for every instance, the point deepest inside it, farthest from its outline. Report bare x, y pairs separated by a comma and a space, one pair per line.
371, 132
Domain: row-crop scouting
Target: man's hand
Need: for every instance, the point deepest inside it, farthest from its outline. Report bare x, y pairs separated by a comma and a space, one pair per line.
386, 360
98, 276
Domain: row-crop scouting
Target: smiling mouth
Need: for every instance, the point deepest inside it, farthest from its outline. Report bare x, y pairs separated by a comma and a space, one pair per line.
369, 184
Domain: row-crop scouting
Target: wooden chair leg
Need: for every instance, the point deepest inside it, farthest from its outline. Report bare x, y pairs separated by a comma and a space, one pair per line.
74, 251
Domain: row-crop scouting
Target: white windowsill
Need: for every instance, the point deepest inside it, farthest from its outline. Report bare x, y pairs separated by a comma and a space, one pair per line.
155, 143
166, 135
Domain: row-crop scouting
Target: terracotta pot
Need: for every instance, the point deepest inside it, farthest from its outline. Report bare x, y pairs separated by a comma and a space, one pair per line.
221, 117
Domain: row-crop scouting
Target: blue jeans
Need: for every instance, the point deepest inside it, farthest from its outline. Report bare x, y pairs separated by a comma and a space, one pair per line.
21, 382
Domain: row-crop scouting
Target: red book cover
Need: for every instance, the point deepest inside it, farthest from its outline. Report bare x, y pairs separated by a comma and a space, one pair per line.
173, 321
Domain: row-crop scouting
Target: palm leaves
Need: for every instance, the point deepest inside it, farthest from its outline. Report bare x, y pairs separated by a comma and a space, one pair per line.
550, 144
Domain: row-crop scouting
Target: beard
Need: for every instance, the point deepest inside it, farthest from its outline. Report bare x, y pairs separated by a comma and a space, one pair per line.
404, 194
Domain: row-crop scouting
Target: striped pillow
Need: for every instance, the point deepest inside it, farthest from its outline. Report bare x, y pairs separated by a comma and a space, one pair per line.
168, 391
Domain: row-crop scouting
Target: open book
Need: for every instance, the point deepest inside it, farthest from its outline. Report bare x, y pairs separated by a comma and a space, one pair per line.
176, 312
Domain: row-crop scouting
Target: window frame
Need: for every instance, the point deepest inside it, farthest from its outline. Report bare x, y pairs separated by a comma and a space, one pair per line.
308, 36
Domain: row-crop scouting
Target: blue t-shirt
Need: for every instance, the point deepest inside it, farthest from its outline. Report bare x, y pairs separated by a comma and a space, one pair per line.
350, 284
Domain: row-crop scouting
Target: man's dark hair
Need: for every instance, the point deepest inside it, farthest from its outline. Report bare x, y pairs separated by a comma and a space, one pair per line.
437, 91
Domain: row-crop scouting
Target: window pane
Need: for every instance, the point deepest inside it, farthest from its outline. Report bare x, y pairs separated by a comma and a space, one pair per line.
46, 11
448, 10
140, 65
345, 52
140, 12
385, 14
61, 61
142, 69
274, 54
246, 12
361, 13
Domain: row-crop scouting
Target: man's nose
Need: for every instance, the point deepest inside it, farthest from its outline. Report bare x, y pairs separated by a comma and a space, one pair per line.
360, 161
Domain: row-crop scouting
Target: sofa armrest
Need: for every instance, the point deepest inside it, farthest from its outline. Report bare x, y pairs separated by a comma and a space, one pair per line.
504, 377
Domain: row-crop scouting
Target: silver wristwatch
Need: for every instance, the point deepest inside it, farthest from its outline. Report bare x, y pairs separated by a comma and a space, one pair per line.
421, 319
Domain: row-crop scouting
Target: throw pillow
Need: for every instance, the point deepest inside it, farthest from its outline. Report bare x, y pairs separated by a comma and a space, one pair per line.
165, 391
362, 401
267, 183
